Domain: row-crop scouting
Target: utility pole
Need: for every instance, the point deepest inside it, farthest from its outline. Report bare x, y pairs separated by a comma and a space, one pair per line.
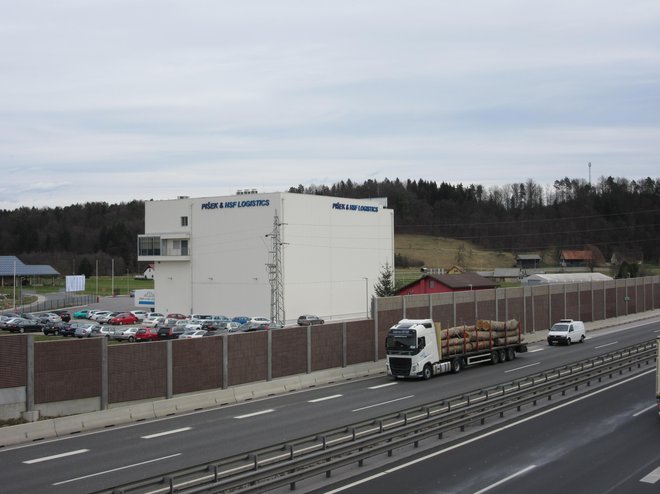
275, 278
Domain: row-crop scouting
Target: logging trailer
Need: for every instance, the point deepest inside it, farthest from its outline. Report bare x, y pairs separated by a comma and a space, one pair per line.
421, 348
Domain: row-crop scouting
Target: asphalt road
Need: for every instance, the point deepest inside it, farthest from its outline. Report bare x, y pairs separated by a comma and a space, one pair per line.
604, 443
83, 463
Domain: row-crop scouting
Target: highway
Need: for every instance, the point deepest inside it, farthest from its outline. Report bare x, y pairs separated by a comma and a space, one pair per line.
88, 462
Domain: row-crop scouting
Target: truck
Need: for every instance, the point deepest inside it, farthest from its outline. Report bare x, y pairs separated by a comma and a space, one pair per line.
421, 348
657, 373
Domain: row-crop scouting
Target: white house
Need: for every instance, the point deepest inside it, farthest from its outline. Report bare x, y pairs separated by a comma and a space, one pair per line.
276, 254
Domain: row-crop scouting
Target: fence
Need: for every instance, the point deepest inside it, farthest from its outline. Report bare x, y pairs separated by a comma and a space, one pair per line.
62, 377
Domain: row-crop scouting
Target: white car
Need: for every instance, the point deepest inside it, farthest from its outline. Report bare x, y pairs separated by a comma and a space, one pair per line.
192, 334
50, 317
98, 313
140, 314
259, 320
151, 322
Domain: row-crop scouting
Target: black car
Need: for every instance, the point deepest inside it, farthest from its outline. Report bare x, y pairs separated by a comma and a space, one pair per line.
64, 314
21, 325
57, 328
170, 332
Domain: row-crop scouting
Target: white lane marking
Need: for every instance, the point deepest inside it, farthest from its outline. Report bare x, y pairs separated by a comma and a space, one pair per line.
652, 477
382, 385
383, 403
133, 465
535, 350
54, 457
506, 479
248, 415
166, 433
652, 407
325, 398
606, 344
487, 434
523, 367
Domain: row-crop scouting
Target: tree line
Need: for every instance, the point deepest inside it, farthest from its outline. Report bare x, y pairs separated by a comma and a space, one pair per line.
615, 215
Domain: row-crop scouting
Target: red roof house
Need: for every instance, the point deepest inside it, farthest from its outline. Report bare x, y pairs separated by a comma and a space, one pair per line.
443, 283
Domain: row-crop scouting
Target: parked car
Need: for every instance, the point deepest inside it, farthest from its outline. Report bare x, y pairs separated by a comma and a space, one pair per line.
240, 319
88, 330
56, 328
105, 318
253, 326
176, 315
95, 314
123, 318
70, 328
140, 314
81, 314
152, 322
170, 332
199, 333
23, 325
259, 320
309, 320
124, 334
65, 315
146, 334
47, 317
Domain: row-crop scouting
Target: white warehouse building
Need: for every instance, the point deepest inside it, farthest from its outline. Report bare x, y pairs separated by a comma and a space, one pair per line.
275, 255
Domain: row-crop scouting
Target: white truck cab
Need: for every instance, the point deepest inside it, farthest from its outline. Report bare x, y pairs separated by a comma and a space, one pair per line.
567, 331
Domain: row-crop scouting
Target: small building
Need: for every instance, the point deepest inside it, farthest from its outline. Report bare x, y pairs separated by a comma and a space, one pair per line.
576, 258
550, 279
528, 261
12, 267
149, 272
443, 283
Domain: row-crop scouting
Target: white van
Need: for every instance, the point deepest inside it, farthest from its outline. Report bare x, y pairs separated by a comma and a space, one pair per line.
566, 331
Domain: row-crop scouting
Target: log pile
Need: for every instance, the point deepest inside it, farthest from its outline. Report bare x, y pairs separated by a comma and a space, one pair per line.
482, 336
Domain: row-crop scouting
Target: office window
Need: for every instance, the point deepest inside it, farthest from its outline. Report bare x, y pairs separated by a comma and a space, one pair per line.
184, 221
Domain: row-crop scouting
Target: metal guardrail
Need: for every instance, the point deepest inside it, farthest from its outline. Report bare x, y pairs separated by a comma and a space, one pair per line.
291, 462
53, 304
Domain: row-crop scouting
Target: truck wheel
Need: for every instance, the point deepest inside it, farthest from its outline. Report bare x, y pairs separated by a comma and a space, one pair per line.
427, 373
502, 355
510, 354
456, 365
495, 357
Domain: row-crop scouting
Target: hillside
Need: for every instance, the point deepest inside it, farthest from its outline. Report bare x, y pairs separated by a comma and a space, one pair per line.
440, 252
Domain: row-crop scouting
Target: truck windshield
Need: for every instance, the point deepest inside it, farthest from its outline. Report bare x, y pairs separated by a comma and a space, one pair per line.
401, 343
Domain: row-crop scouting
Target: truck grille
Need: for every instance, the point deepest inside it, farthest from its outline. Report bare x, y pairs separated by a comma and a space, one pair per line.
400, 366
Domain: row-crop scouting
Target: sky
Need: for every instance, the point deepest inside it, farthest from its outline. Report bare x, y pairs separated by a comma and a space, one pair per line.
115, 100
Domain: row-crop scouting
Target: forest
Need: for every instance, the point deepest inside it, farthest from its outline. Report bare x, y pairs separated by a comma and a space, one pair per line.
614, 215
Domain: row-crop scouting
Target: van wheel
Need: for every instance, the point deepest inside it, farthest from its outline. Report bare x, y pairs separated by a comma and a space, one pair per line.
568, 341
582, 339
427, 373
495, 358
510, 354
456, 365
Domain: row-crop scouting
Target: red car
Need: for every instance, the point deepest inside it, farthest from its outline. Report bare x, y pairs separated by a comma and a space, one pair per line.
124, 318
146, 334
176, 316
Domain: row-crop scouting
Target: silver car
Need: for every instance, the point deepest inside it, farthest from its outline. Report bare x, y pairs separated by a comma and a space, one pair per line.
87, 330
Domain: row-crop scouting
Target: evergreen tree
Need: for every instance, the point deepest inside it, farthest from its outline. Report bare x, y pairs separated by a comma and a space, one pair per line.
385, 285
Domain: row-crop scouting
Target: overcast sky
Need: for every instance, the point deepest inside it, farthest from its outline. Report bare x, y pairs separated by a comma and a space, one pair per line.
114, 100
